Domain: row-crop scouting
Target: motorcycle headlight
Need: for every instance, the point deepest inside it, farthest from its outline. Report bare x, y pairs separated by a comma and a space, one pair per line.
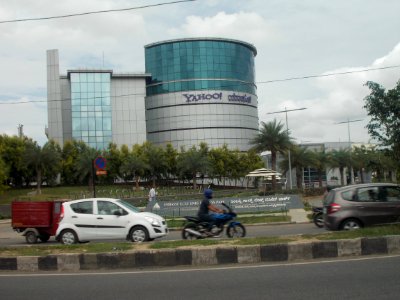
153, 221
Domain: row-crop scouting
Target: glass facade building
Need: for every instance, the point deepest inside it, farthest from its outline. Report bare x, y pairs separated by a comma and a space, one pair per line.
96, 106
91, 108
201, 89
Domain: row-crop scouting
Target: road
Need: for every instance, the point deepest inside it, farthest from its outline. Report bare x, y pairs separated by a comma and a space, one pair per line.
10, 238
331, 279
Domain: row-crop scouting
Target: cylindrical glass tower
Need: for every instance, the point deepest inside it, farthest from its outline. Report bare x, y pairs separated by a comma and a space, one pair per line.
201, 90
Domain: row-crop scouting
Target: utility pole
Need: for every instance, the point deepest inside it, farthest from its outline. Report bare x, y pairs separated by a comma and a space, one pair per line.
287, 130
350, 148
20, 130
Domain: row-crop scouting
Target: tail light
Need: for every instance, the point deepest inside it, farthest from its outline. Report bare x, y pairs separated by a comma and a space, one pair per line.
61, 214
332, 208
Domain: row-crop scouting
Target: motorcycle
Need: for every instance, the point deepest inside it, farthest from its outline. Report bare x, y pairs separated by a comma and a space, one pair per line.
197, 229
318, 216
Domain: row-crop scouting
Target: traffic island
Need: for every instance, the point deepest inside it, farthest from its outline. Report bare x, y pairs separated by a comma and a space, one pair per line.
204, 256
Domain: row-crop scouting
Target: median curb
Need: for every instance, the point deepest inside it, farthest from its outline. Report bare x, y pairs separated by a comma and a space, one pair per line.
204, 256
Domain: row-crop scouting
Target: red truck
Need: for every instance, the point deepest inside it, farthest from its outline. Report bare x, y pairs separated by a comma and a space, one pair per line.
36, 220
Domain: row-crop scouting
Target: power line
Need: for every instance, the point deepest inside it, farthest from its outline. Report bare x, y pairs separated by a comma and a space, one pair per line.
329, 74
224, 86
94, 12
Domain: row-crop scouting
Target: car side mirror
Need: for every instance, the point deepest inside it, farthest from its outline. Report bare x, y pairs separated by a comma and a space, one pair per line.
117, 213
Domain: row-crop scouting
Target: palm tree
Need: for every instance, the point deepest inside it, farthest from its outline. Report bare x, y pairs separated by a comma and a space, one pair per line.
272, 137
301, 157
340, 159
321, 161
43, 160
85, 167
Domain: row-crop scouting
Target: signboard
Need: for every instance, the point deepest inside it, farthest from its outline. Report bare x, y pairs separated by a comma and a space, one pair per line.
272, 203
101, 172
100, 163
226, 97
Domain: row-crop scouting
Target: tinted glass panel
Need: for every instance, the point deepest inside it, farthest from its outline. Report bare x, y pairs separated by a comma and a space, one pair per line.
85, 207
91, 105
220, 64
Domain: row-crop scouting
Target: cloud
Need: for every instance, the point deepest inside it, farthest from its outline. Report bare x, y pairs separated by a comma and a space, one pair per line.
236, 25
342, 99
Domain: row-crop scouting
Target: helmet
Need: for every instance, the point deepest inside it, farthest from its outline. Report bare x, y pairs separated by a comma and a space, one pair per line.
208, 193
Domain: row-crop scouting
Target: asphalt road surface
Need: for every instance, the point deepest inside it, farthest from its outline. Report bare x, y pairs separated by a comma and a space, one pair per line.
331, 279
8, 237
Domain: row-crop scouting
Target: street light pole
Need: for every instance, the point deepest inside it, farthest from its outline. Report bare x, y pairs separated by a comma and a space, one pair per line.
348, 132
287, 130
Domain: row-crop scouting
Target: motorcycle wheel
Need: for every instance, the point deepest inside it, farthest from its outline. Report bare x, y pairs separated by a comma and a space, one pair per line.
236, 231
319, 220
186, 235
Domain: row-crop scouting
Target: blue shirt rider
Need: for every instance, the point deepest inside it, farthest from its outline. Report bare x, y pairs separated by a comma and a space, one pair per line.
205, 208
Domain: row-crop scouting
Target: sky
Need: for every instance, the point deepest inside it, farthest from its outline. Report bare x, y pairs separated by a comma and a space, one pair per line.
294, 39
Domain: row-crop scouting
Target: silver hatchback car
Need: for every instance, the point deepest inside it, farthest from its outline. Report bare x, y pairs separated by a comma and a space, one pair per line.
355, 206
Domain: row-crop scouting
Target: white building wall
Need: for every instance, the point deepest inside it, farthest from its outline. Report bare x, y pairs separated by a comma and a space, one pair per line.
214, 118
128, 110
54, 103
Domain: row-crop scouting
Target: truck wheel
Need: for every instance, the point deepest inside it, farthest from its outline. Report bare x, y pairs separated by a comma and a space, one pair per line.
68, 237
31, 237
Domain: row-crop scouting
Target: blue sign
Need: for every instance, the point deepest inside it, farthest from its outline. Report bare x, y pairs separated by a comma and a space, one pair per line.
100, 163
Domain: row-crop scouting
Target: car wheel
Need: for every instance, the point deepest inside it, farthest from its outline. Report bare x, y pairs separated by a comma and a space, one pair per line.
139, 234
350, 224
68, 237
31, 237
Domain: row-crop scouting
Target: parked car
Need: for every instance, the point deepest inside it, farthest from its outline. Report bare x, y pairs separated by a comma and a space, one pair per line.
105, 218
355, 206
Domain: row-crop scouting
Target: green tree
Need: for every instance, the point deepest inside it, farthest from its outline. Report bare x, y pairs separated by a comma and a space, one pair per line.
192, 162
44, 160
170, 161
249, 161
132, 166
13, 149
114, 160
154, 158
221, 160
272, 137
70, 154
3, 172
384, 109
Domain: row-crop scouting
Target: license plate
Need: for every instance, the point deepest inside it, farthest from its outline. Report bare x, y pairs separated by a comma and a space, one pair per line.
324, 210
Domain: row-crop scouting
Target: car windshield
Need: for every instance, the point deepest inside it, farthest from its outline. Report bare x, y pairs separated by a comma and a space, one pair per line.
128, 206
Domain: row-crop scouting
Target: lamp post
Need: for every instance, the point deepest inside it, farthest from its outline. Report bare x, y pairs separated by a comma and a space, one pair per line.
348, 131
287, 130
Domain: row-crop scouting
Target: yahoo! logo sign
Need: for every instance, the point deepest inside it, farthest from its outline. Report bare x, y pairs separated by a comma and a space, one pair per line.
200, 97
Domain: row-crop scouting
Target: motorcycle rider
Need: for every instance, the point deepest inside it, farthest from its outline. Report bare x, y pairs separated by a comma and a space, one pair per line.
205, 208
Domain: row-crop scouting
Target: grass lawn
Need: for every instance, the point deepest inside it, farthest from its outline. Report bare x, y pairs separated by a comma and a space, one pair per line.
42, 250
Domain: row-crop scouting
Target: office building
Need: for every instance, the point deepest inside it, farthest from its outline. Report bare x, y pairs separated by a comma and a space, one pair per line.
193, 90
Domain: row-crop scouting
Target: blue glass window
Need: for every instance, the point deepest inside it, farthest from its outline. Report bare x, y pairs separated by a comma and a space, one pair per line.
91, 108
211, 60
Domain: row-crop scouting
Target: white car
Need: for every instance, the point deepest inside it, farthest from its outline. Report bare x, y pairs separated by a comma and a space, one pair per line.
106, 218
